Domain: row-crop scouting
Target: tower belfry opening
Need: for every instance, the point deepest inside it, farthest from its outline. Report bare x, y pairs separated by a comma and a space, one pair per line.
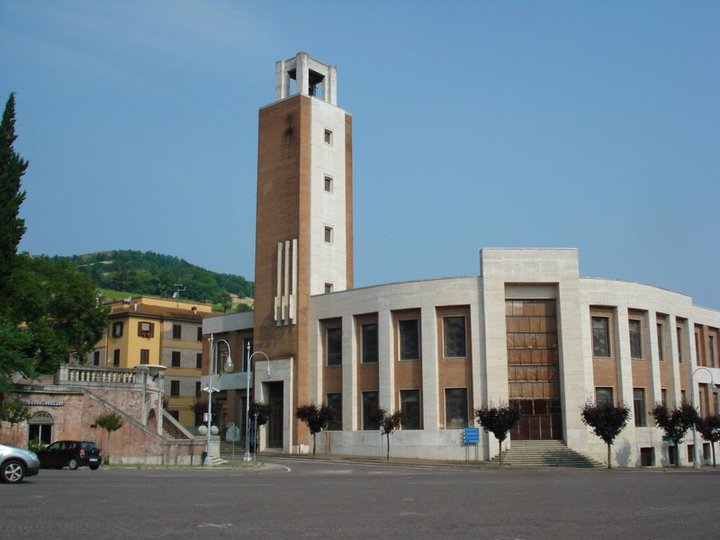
312, 78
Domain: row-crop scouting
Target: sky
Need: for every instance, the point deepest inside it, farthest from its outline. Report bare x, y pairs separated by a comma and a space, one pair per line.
476, 124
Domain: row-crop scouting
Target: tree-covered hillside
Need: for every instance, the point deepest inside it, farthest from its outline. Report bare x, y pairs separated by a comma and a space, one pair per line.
160, 275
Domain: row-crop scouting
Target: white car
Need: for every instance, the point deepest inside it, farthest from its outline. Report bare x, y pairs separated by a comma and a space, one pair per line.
16, 464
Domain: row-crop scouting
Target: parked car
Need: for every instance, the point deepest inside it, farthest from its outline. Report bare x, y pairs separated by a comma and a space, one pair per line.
70, 454
16, 464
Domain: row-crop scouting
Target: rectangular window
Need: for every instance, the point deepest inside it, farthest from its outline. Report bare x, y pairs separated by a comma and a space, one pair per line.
175, 414
96, 358
333, 346
635, 338
683, 396
116, 357
198, 389
663, 396
370, 406
334, 402
660, 341
678, 332
601, 336
713, 353
199, 333
174, 388
328, 235
198, 361
639, 407
328, 184
698, 351
604, 394
409, 339
176, 359
410, 407
328, 136
328, 288
454, 337
144, 356
117, 329
456, 409
369, 343
146, 329
177, 331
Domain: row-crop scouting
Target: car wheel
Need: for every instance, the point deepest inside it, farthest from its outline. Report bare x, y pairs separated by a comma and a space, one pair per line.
94, 467
73, 464
12, 472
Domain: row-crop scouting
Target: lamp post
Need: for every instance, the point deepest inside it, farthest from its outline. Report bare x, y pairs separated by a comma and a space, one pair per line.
247, 457
210, 389
696, 450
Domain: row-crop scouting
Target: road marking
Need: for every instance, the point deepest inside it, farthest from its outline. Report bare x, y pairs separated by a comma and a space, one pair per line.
215, 525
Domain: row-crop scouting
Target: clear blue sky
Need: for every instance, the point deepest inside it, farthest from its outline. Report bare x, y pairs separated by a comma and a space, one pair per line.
476, 124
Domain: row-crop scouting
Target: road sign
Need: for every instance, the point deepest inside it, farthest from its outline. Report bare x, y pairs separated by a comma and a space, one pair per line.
471, 435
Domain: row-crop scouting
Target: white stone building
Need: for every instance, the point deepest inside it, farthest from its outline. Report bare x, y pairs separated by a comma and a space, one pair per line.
527, 330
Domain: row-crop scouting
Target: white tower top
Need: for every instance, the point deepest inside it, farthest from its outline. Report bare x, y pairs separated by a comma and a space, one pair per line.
312, 78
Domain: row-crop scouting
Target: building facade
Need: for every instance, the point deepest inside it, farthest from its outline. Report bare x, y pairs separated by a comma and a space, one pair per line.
155, 331
527, 330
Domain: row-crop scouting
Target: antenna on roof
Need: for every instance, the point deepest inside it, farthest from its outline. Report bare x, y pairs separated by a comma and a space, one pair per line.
178, 289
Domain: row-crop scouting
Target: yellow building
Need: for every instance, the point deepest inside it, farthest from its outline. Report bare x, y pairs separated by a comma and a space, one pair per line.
144, 330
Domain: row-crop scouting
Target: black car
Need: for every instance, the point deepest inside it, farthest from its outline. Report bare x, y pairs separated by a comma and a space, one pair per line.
70, 454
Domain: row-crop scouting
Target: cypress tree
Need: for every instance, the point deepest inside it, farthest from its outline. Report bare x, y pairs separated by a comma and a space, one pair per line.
12, 168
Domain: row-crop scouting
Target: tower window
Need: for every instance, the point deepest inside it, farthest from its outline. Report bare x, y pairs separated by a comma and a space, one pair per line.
329, 184
328, 136
328, 235
328, 288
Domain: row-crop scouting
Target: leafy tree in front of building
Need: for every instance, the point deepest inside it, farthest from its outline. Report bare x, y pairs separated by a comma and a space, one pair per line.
709, 428
109, 422
498, 421
260, 413
675, 423
316, 418
48, 310
607, 420
14, 412
389, 423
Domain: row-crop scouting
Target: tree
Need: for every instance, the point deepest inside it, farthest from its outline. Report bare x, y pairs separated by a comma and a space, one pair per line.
109, 422
388, 423
15, 351
709, 428
59, 308
675, 423
12, 169
316, 418
261, 413
498, 421
606, 420
14, 412
49, 311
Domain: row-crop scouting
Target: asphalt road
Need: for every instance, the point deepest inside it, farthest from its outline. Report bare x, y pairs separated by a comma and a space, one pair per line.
300, 498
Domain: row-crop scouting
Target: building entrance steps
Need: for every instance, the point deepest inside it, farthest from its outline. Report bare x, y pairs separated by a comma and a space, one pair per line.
548, 453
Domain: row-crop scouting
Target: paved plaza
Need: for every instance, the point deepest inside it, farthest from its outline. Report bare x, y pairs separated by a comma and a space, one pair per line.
302, 498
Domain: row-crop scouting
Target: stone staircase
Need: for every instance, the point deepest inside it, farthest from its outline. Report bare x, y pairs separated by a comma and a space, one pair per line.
544, 454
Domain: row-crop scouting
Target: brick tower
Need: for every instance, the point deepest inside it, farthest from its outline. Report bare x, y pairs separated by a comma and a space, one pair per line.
304, 234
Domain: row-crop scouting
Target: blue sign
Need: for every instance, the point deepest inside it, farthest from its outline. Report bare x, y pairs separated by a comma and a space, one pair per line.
471, 435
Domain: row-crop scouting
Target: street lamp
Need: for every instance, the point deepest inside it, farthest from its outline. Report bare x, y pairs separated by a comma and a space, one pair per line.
247, 457
210, 389
696, 450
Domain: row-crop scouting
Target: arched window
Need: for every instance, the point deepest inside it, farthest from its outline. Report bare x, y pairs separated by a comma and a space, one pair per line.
40, 427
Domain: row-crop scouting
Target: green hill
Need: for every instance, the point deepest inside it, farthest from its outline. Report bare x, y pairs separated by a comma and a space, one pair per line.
138, 272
